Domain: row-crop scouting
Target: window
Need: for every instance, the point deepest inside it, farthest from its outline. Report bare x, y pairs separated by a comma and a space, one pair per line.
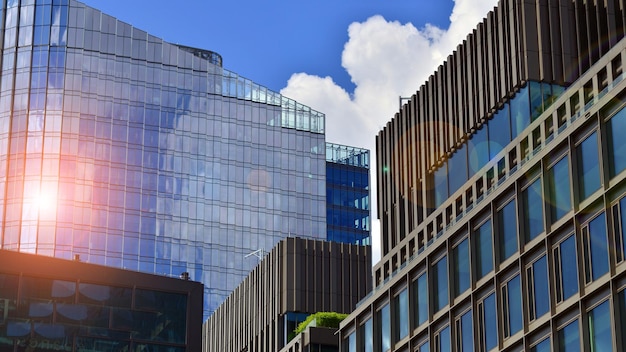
440, 179
367, 336
559, 197
461, 267
478, 150
622, 314
402, 315
457, 169
349, 344
600, 331
500, 125
484, 251
512, 307
420, 289
425, 347
616, 143
487, 324
595, 248
588, 166
507, 230
569, 338
442, 340
543, 346
565, 267
532, 208
619, 227
383, 336
440, 277
465, 336
538, 290
520, 112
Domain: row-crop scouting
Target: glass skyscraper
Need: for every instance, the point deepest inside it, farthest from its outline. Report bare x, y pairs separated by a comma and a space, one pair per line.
347, 194
132, 152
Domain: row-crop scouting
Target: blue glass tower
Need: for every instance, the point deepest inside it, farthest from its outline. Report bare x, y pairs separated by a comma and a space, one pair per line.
347, 194
136, 153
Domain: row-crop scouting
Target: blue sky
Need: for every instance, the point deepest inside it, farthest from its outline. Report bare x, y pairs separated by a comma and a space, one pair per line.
350, 59
268, 41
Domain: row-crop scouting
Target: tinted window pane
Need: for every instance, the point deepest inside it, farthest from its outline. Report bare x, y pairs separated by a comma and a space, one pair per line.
600, 335
368, 337
569, 338
588, 166
385, 328
532, 203
520, 112
422, 299
543, 346
457, 169
441, 184
540, 291
440, 276
425, 347
478, 150
559, 186
484, 260
402, 314
596, 250
513, 311
444, 340
566, 266
617, 143
461, 267
622, 227
489, 322
499, 131
467, 338
507, 230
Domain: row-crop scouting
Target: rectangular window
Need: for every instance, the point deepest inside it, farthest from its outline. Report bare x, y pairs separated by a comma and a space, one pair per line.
569, 338
532, 209
559, 196
595, 249
402, 315
461, 267
617, 143
487, 323
457, 170
440, 180
465, 340
349, 344
420, 298
543, 346
512, 307
442, 340
600, 331
425, 347
484, 250
619, 229
622, 314
565, 269
507, 230
588, 166
440, 278
538, 290
383, 327
367, 336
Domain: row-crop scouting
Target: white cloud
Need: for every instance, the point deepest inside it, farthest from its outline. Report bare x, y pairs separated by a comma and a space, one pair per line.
385, 60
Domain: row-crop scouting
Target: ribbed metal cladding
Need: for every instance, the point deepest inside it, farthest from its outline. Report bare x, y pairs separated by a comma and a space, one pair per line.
298, 275
548, 41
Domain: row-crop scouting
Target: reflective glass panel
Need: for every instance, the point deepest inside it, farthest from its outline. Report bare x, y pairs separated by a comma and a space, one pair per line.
532, 208
596, 248
559, 188
507, 230
441, 184
466, 342
368, 336
489, 322
565, 267
588, 166
543, 346
402, 314
539, 292
499, 131
461, 267
478, 150
421, 299
443, 340
600, 331
385, 327
569, 338
457, 169
440, 277
484, 251
617, 143
520, 112
512, 311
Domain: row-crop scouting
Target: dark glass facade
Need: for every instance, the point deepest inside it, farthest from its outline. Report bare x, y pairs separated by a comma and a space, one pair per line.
136, 153
347, 194
49, 304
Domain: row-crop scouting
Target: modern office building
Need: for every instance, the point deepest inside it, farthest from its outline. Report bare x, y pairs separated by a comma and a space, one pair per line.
140, 154
314, 339
502, 192
296, 278
347, 194
51, 304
